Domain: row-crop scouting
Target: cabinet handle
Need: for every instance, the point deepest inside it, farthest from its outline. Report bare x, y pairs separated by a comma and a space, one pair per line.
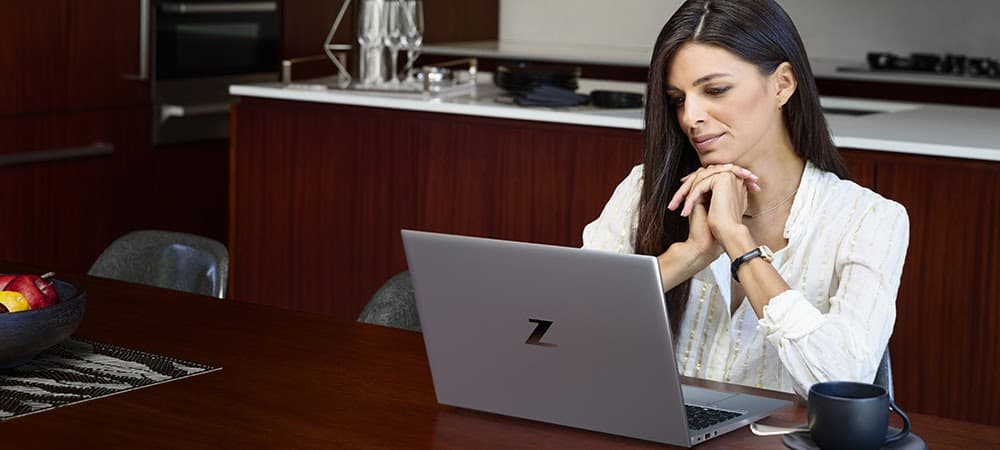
56, 154
143, 43
212, 8
203, 109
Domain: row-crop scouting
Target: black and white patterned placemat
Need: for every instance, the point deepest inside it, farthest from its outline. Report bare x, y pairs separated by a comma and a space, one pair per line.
78, 370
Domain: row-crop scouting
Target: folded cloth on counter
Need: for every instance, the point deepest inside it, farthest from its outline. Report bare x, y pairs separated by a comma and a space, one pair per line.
548, 95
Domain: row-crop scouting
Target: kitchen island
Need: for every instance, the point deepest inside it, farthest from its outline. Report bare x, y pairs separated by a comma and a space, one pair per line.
322, 180
889, 126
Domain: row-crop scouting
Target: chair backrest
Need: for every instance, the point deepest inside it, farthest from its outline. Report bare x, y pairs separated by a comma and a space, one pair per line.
393, 305
167, 259
883, 376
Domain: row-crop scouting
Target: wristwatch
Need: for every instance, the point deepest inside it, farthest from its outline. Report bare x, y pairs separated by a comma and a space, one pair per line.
763, 252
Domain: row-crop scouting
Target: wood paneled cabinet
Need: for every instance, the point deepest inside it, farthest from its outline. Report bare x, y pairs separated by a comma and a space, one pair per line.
75, 128
946, 342
106, 68
64, 189
320, 192
67, 55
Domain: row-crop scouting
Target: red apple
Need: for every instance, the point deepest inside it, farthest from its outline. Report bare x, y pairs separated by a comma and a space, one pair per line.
4, 279
38, 291
47, 287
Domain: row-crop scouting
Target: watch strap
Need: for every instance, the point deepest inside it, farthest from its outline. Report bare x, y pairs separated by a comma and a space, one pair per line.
759, 252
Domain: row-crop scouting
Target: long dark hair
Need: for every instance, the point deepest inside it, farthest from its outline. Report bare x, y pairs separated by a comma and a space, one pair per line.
760, 32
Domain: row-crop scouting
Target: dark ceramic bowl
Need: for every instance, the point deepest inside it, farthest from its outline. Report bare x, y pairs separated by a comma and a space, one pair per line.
616, 99
25, 334
522, 76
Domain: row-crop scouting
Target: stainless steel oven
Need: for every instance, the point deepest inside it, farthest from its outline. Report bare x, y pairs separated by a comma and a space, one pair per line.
200, 47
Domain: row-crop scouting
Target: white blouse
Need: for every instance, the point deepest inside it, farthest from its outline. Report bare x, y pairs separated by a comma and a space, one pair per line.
843, 261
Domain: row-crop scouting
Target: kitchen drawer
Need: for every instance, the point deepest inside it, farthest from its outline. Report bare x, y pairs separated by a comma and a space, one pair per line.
57, 215
69, 181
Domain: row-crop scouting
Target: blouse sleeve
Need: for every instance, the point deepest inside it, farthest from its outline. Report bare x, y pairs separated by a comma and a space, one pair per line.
847, 342
614, 229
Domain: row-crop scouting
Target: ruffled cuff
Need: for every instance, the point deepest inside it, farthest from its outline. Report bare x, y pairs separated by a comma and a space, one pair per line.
789, 316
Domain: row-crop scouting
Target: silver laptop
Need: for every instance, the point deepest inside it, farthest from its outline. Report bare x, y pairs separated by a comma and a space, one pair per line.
562, 335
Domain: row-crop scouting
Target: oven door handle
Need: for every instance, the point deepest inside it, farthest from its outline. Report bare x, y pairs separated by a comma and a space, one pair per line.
201, 109
220, 7
143, 74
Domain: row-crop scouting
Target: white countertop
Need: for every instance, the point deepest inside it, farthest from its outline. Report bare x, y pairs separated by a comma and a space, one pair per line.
481, 102
835, 69
912, 128
639, 57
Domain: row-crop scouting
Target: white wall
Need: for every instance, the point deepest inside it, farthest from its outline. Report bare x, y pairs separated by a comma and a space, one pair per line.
841, 29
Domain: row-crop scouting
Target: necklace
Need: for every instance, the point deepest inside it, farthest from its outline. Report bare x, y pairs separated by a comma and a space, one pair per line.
771, 208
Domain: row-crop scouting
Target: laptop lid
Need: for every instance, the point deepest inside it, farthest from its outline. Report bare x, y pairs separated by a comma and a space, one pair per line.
563, 335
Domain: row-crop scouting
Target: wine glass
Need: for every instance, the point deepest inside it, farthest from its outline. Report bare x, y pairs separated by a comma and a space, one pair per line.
393, 36
413, 33
371, 28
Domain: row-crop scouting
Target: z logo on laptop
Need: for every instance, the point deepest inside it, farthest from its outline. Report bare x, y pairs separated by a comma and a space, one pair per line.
541, 326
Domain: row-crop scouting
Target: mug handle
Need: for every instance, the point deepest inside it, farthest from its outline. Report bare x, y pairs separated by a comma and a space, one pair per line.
906, 424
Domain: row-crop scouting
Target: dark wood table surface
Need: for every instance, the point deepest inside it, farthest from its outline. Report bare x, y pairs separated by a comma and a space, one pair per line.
298, 380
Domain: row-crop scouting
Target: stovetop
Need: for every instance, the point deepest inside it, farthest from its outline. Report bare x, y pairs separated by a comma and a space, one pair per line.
947, 64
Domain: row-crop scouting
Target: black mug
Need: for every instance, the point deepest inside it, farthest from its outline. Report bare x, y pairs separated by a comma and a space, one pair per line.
852, 416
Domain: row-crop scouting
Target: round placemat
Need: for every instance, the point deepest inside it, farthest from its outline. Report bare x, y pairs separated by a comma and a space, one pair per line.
802, 441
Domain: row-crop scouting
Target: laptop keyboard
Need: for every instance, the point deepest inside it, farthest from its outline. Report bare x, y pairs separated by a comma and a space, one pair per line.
700, 417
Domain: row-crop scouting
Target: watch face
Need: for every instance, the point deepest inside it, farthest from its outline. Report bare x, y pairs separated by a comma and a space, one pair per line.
766, 254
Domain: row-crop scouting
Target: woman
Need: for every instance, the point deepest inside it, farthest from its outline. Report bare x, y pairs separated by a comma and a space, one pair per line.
738, 161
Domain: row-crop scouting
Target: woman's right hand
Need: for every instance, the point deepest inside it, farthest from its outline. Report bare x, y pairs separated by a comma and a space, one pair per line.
700, 238
684, 259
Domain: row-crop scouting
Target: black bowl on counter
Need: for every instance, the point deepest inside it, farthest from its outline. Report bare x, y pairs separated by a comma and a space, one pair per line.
514, 76
616, 99
25, 334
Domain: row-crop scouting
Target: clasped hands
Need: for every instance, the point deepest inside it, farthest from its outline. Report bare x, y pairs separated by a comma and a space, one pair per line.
714, 199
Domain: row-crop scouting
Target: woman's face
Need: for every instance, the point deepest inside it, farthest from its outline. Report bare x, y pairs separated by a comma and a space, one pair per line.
728, 110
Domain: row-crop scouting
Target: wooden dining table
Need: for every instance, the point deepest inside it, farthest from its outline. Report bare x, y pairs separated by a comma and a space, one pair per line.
293, 380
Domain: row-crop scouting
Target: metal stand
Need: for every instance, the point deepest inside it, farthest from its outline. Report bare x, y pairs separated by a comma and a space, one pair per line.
343, 75
434, 81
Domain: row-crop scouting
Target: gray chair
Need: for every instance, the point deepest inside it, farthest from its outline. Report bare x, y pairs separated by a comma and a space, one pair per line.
166, 259
883, 376
393, 305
